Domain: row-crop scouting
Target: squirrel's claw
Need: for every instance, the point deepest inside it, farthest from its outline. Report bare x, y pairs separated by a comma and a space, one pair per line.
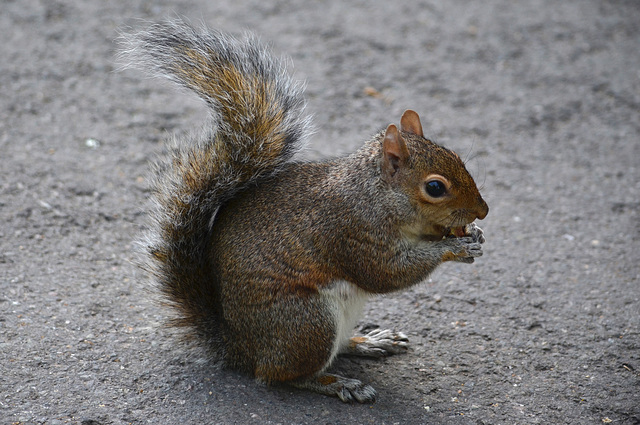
354, 390
378, 343
347, 390
475, 232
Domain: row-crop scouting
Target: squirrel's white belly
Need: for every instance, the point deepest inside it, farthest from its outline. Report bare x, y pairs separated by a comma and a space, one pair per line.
347, 302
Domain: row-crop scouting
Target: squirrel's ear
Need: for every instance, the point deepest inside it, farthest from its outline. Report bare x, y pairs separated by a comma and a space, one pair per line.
410, 122
395, 151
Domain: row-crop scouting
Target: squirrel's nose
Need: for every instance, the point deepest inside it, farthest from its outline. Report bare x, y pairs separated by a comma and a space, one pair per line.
483, 209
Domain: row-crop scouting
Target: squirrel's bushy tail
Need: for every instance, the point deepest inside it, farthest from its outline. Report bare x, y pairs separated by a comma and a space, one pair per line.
259, 122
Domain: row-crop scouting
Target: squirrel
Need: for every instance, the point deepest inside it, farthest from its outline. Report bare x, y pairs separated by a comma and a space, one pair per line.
269, 260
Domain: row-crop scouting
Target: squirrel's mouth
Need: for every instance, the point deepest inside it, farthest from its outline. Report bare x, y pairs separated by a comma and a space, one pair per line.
437, 232
442, 232
455, 232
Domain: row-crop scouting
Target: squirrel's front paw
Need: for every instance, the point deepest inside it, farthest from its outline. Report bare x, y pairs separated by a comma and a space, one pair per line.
475, 232
464, 249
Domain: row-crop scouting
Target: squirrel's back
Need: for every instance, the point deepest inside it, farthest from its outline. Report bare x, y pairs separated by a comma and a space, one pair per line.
258, 123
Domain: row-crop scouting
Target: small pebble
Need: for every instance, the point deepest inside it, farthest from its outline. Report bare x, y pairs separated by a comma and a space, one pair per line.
92, 143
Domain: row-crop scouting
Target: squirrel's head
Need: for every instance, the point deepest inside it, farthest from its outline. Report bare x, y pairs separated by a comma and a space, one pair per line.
441, 191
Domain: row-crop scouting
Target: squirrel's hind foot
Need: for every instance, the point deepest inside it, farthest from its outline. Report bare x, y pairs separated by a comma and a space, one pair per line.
347, 390
377, 343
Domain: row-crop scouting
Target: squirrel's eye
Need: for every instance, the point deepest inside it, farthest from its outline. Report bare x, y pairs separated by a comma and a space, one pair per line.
435, 188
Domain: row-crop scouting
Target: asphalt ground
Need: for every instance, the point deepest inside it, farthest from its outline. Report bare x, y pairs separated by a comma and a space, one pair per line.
541, 97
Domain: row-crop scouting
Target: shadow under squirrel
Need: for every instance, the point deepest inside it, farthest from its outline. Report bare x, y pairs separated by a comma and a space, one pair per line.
268, 260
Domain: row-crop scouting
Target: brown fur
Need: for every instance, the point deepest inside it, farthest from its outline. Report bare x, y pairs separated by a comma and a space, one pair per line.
253, 249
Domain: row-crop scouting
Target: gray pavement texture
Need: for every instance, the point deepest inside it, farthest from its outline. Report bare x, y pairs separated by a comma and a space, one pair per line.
543, 99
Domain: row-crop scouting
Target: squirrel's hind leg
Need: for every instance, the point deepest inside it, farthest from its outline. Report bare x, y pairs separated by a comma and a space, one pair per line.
347, 390
377, 343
